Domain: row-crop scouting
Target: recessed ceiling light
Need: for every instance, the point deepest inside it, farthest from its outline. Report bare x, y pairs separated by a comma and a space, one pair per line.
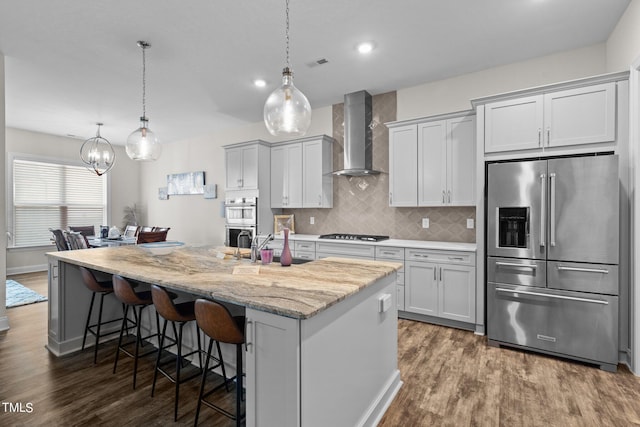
259, 83
365, 47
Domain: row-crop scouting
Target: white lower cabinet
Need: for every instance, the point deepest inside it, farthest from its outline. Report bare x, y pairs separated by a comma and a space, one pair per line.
440, 284
272, 370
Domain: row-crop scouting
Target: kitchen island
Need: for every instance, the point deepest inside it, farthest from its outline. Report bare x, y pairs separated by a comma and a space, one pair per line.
321, 337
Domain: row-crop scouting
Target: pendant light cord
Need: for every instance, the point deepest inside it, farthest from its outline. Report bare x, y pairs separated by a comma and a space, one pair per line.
287, 33
144, 81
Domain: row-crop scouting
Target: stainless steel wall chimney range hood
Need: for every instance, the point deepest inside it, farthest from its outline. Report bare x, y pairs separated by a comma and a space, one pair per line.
358, 136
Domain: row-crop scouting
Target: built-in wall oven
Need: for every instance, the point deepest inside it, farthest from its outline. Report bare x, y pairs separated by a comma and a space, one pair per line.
240, 221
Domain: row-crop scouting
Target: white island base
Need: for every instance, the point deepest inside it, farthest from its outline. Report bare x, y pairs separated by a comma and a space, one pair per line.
338, 368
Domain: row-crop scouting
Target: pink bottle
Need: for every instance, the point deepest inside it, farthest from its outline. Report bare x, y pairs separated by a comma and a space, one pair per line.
285, 257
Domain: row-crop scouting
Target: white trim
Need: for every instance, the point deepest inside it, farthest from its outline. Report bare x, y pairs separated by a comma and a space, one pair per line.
634, 160
26, 269
4, 323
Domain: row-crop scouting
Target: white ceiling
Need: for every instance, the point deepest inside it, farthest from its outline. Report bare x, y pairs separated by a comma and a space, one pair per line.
72, 63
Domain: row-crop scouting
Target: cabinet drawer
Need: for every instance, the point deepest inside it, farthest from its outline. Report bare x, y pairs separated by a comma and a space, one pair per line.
568, 323
345, 249
305, 246
448, 257
305, 254
389, 253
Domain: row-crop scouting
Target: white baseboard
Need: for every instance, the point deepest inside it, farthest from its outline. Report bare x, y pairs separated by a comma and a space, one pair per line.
26, 269
4, 323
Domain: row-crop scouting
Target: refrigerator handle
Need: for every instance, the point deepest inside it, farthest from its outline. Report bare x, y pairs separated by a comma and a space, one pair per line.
543, 208
552, 210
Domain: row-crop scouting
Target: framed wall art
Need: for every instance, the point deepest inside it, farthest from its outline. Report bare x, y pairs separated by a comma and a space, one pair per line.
281, 222
185, 183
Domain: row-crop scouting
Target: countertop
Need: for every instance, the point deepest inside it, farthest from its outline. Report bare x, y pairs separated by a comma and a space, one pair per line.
298, 291
412, 244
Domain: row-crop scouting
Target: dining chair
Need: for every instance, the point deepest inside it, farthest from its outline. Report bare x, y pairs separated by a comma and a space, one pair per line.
59, 239
85, 230
152, 236
131, 231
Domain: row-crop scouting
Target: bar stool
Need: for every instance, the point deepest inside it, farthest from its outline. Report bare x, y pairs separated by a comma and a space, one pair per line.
96, 287
124, 291
181, 314
217, 323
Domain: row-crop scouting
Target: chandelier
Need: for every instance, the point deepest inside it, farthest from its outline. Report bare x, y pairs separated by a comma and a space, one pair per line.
98, 154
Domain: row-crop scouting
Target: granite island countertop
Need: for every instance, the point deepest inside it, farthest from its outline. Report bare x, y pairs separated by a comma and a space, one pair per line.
298, 291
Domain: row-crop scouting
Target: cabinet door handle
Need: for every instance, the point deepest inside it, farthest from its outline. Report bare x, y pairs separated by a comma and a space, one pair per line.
319, 199
390, 198
548, 136
539, 137
443, 196
434, 274
441, 274
449, 195
456, 258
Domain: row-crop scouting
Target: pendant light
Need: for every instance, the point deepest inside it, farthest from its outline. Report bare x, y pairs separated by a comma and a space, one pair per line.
98, 154
287, 111
143, 144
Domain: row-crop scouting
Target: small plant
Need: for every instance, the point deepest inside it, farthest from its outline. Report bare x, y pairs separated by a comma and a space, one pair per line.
131, 215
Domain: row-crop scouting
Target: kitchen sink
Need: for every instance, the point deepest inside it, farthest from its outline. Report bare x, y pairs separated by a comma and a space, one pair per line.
276, 259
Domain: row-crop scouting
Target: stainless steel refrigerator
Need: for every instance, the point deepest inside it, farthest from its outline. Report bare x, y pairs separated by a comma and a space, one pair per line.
552, 257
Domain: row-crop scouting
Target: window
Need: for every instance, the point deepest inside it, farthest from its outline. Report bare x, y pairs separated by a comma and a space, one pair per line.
53, 195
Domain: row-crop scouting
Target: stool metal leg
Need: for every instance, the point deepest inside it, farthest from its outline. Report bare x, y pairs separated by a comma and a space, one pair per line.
178, 365
124, 322
95, 350
238, 384
138, 340
86, 328
204, 378
155, 372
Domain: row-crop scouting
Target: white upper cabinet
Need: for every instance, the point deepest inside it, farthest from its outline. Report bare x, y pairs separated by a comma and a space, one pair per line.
403, 166
301, 173
432, 162
461, 161
317, 167
286, 176
241, 164
581, 115
515, 124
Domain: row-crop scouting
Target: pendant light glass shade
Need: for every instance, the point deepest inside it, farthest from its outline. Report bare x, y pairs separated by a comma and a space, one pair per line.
287, 111
142, 144
97, 154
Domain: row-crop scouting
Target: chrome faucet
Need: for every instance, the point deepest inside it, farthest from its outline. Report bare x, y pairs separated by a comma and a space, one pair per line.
255, 248
242, 233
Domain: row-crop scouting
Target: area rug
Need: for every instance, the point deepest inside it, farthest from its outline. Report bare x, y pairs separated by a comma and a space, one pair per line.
19, 295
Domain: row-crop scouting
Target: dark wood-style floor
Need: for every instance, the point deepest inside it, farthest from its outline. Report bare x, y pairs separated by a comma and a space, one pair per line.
451, 378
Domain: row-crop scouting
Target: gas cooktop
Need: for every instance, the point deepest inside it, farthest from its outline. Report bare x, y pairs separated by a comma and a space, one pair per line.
365, 237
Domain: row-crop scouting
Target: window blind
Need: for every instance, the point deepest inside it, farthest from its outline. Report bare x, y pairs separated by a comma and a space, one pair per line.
50, 195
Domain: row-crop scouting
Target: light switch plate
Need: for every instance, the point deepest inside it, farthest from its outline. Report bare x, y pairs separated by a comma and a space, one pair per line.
425, 222
470, 223
312, 220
